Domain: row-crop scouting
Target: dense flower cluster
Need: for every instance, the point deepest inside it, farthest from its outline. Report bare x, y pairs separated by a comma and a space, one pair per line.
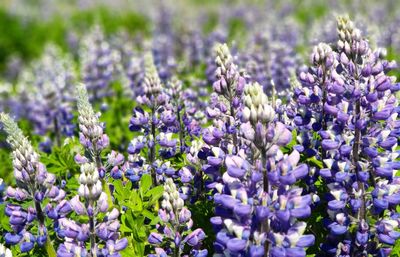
354, 113
157, 125
175, 229
160, 118
97, 65
91, 133
47, 88
233, 147
257, 205
102, 235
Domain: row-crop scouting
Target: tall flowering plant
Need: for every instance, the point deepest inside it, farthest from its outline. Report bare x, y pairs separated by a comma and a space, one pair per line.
226, 100
258, 207
356, 106
174, 232
36, 196
46, 93
100, 232
93, 201
97, 64
95, 141
222, 136
156, 120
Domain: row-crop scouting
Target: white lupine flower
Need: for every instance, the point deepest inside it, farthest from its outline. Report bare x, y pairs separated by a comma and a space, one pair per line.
4, 251
152, 83
89, 123
90, 184
257, 106
25, 159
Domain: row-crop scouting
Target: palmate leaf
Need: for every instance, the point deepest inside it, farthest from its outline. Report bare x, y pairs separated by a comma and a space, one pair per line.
141, 214
135, 202
145, 184
154, 195
61, 159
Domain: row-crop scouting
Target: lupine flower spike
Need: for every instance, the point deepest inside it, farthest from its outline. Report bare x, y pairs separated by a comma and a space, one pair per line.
35, 187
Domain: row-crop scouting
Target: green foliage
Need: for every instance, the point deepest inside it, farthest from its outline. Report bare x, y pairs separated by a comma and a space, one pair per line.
61, 159
202, 211
6, 169
117, 116
396, 250
302, 14
210, 23
237, 29
315, 226
5, 225
141, 212
131, 21
27, 38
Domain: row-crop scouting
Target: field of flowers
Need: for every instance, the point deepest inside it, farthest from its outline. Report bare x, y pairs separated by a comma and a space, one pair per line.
177, 128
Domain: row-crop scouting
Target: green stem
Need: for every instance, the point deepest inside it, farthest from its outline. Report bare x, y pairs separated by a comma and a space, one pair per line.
92, 237
356, 157
265, 225
181, 131
49, 248
324, 96
57, 132
152, 151
234, 137
48, 245
106, 188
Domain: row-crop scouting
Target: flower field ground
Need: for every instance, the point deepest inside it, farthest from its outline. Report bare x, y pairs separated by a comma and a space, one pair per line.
177, 128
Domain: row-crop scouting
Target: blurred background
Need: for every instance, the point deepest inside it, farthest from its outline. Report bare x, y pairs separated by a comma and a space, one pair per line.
27, 25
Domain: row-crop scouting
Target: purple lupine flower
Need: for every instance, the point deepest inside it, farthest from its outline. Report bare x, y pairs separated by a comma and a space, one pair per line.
271, 64
228, 90
355, 127
186, 115
164, 43
257, 204
91, 133
135, 74
91, 201
34, 186
47, 87
97, 62
175, 223
94, 140
348, 100
157, 126
223, 110
193, 47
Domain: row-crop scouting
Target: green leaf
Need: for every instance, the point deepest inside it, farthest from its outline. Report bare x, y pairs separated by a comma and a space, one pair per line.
145, 184
315, 162
50, 248
154, 194
135, 202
